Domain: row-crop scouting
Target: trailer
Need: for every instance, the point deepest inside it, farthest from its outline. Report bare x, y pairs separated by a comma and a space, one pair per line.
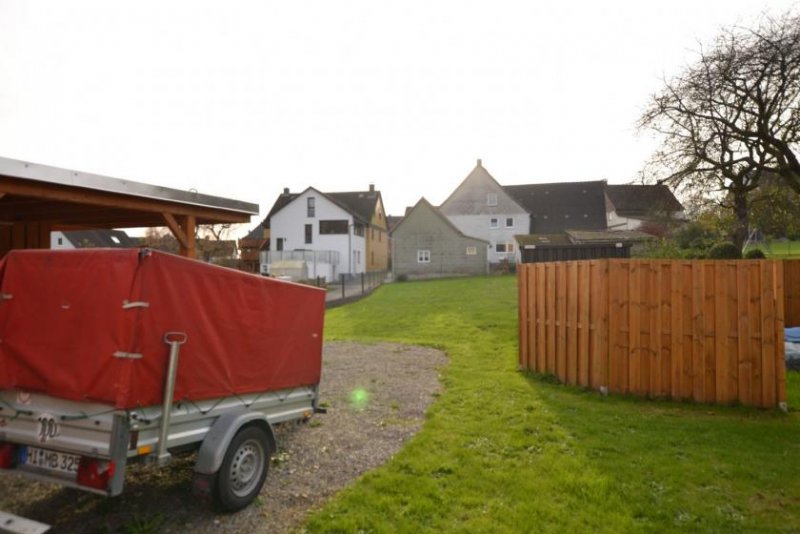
109, 357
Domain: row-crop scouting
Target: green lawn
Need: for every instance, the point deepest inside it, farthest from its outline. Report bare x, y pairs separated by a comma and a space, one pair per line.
781, 249
504, 451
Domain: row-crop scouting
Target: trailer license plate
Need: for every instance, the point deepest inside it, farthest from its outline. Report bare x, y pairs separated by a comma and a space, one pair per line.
52, 460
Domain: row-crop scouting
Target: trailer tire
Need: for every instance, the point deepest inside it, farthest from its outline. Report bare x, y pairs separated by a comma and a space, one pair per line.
243, 470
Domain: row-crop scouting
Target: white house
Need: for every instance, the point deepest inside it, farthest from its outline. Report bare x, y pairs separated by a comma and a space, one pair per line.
329, 233
630, 206
481, 208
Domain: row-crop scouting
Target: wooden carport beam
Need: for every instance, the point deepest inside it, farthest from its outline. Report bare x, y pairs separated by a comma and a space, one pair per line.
183, 228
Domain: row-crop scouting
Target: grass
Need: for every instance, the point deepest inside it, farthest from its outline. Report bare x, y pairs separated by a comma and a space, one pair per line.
503, 451
780, 249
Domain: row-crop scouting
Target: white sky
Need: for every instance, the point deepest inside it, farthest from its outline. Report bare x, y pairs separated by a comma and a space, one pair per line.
241, 99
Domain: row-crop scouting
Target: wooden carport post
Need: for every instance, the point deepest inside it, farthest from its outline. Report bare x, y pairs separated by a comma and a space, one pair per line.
183, 228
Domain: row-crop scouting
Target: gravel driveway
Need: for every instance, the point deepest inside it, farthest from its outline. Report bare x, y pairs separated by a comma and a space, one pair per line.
376, 397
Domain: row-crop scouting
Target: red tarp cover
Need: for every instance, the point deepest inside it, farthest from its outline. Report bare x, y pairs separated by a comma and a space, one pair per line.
62, 320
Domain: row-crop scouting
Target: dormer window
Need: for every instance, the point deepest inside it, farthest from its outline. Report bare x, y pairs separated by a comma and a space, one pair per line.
310, 206
491, 199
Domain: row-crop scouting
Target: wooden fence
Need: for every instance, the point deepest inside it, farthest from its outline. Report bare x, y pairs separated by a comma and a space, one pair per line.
791, 285
709, 331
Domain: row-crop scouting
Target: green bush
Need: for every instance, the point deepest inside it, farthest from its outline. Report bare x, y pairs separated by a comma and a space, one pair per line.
724, 251
754, 254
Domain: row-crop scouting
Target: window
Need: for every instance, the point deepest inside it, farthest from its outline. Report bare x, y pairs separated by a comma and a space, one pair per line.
358, 229
311, 207
333, 227
509, 222
60, 240
491, 199
279, 244
504, 247
494, 222
115, 239
423, 256
472, 251
309, 234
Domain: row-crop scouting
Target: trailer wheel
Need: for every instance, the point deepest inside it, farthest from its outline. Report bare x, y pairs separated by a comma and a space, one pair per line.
243, 470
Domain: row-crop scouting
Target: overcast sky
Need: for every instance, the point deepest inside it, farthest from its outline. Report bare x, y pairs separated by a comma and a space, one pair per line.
241, 99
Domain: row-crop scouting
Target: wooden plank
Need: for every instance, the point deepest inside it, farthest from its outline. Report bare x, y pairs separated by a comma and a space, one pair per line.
780, 356
687, 316
650, 331
551, 318
665, 355
635, 312
676, 332
584, 296
791, 287
561, 321
743, 342
18, 239
654, 352
732, 332
721, 333
530, 313
754, 352
572, 323
698, 334
709, 321
768, 372
603, 351
541, 330
522, 316
615, 313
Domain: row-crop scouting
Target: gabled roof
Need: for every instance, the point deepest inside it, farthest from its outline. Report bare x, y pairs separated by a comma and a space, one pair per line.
555, 207
608, 236
100, 239
422, 202
463, 202
640, 199
360, 204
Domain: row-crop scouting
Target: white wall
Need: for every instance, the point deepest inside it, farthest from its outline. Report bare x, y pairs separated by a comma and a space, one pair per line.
289, 223
59, 241
480, 226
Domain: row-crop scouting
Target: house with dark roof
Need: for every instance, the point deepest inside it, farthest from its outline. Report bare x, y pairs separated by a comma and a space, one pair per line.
630, 206
480, 207
330, 233
426, 244
91, 239
561, 206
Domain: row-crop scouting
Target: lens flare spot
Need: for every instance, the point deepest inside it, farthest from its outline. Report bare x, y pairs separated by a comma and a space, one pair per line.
359, 398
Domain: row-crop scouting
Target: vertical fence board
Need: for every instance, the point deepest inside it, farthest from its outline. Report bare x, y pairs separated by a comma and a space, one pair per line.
634, 327
654, 350
780, 318
541, 329
754, 345
561, 321
791, 286
551, 318
768, 393
709, 322
743, 307
676, 329
572, 323
698, 334
732, 332
584, 294
664, 345
530, 314
523, 303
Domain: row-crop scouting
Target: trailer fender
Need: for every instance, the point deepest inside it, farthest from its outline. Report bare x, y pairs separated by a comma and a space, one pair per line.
216, 442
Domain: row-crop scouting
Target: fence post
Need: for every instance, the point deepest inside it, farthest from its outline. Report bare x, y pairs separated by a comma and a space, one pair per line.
342, 285
362, 283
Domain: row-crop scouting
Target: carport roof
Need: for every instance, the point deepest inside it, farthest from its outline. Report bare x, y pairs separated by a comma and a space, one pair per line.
34, 193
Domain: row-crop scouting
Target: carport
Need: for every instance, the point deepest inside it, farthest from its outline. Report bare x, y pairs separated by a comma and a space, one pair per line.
38, 199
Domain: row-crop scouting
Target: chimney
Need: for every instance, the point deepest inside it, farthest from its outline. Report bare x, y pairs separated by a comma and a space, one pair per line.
371, 188
285, 190
480, 162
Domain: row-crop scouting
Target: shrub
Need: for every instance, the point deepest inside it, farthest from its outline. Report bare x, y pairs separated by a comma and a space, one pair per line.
754, 254
724, 251
402, 278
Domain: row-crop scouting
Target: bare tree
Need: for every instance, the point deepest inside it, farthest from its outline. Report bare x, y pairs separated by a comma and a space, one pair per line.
732, 117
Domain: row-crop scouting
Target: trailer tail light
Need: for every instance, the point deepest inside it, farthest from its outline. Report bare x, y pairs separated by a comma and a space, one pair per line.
8, 455
95, 473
